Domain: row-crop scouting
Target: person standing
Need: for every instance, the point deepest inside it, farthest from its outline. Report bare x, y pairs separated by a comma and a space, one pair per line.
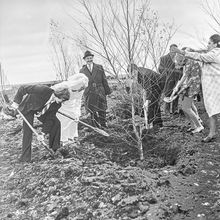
189, 85
210, 78
167, 68
96, 92
44, 102
72, 107
153, 84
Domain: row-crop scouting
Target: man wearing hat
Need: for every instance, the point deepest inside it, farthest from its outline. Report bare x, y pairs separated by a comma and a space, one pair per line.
97, 90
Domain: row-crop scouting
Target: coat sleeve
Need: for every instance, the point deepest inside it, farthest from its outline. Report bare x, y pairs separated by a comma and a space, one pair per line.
144, 80
22, 91
30, 89
209, 57
105, 82
162, 65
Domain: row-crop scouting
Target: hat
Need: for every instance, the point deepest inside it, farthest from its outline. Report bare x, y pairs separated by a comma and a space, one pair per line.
87, 54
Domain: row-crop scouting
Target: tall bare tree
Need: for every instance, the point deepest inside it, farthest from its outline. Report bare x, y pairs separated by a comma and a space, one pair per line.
4, 83
64, 61
212, 9
124, 32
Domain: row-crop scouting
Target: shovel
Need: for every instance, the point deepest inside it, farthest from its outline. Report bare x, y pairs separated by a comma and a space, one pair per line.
35, 132
100, 131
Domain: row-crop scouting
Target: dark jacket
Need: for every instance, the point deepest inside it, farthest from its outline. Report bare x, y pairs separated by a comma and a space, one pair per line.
152, 82
98, 88
167, 69
166, 64
32, 98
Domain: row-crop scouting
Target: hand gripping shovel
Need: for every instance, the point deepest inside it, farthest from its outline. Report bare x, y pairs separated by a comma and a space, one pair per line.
170, 99
100, 131
35, 132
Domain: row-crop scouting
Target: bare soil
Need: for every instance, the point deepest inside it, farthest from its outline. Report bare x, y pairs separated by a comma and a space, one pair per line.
103, 178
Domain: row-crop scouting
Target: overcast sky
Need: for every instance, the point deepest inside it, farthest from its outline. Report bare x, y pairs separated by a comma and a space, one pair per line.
24, 32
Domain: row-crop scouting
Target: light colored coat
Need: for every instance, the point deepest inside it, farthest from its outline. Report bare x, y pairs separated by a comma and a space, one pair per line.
210, 78
72, 107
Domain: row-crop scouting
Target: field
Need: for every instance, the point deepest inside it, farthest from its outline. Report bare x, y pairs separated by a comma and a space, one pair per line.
103, 178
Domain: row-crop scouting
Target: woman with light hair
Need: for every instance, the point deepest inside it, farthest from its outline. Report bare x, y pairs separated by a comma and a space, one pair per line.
69, 128
210, 80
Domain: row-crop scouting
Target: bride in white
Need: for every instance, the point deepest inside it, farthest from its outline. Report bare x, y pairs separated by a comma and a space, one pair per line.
69, 128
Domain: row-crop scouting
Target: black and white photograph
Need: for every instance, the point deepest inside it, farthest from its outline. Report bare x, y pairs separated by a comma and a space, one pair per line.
109, 109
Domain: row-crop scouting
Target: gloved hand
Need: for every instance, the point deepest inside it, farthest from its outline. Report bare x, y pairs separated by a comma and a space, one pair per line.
8, 110
175, 90
15, 105
41, 137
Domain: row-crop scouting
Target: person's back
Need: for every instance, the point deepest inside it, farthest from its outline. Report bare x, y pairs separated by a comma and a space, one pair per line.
153, 86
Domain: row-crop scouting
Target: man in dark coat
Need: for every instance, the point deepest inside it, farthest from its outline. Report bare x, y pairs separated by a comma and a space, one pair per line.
97, 90
167, 68
44, 102
153, 83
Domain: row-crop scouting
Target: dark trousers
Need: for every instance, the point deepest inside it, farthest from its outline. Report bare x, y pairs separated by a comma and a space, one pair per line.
54, 135
98, 118
27, 138
51, 127
154, 113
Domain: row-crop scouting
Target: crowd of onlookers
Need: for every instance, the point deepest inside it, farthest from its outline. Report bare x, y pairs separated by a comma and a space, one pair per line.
182, 75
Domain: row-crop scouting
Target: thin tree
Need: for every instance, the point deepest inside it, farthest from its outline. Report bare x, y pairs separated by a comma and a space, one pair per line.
3, 83
124, 32
62, 58
212, 10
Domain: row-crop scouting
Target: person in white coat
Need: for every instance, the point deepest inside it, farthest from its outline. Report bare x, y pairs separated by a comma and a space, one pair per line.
210, 80
69, 128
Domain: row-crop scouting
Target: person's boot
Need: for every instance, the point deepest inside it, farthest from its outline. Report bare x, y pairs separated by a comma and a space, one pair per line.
95, 120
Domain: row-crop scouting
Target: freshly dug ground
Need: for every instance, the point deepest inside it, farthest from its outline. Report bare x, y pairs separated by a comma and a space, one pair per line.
103, 178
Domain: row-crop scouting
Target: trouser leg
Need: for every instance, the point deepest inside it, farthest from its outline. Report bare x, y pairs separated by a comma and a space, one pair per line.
95, 119
27, 139
54, 135
155, 114
175, 105
102, 118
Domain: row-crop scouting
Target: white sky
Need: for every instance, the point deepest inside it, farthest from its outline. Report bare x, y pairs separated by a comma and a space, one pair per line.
24, 32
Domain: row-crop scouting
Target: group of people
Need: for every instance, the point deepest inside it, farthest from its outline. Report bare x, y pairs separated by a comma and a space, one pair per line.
200, 71
46, 102
184, 73
210, 82
181, 72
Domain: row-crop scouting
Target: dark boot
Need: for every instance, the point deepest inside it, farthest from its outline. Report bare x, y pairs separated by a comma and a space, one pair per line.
95, 119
